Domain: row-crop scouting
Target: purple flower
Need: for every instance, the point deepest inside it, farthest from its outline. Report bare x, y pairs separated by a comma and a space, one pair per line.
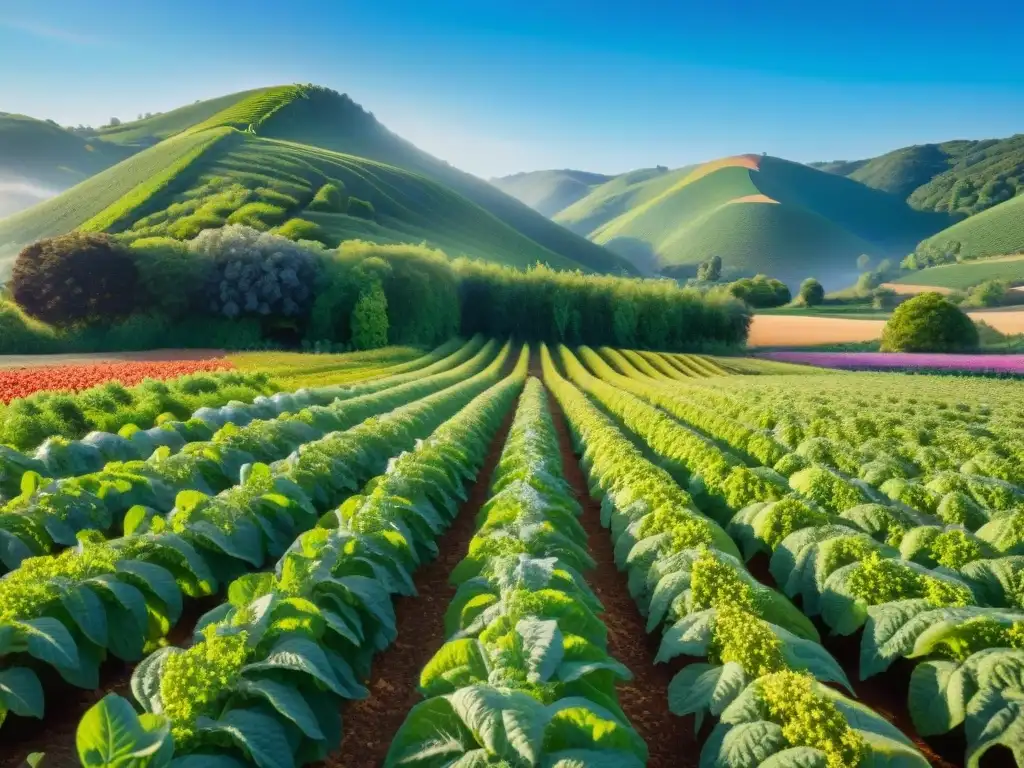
882, 361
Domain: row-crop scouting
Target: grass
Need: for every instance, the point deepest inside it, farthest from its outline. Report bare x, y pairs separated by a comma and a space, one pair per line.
104, 192
265, 183
993, 232
854, 311
153, 129
965, 274
819, 225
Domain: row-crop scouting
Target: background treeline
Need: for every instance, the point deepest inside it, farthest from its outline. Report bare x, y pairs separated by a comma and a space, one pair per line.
238, 288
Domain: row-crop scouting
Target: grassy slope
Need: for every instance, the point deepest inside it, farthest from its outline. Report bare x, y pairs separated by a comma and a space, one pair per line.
819, 226
76, 206
153, 129
335, 122
549, 192
993, 232
965, 274
409, 207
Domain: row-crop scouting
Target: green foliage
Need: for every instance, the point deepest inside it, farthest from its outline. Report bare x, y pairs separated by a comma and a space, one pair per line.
301, 229
761, 291
75, 278
370, 318
330, 198
991, 293
811, 293
996, 231
259, 215
362, 209
168, 274
929, 323
711, 270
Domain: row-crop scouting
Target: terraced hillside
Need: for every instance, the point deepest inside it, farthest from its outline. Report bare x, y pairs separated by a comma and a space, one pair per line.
995, 232
759, 213
314, 165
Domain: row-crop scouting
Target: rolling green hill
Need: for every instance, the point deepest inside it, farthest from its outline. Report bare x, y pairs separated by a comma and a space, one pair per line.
966, 274
759, 213
548, 192
38, 158
263, 158
964, 177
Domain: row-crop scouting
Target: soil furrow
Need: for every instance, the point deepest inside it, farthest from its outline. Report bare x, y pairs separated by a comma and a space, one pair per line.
370, 724
65, 704
644, 699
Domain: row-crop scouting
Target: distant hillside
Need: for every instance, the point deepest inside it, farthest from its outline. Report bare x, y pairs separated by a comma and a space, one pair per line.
274, 158
963, 177
548, 192
759, 213
996, 231
38, 159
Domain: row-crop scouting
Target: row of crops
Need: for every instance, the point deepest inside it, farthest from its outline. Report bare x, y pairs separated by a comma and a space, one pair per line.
244, 565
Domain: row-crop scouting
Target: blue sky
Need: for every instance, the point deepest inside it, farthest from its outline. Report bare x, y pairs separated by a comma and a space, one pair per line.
499, 87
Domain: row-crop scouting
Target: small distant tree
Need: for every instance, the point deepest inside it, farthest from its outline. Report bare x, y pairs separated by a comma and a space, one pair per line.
863, 263
710, 271
75, 278
114, 122
811, 292
929, 323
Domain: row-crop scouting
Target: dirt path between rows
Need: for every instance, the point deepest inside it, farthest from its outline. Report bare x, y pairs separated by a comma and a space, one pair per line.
370, 724
644, 699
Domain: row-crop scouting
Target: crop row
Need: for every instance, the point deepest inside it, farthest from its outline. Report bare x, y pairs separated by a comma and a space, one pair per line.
764, 670
525, 677
269, 669
941, 595
121, 596
108, 485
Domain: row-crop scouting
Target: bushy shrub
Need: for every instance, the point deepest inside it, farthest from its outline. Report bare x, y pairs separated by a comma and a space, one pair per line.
330, 198
361, 208
76, 278
929, 323
301, 229
761, 291
170, 274
811, 292
188, 227
20, 334
255, 273
261, 216
370, 318
991, 293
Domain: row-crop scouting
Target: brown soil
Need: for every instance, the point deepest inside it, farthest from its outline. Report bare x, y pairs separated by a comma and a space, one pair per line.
644, 699
370, 724
65, 704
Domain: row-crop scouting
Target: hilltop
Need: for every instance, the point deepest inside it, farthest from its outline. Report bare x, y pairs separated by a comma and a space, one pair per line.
305, 161
759, 213
548, 192
963, 177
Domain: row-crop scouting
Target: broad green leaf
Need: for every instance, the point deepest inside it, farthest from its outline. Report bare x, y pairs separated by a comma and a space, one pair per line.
804, 654
286, 700
797, 757
509, 725
21, 692
146, 678
886, 752
248, 587
592, 758
690, 636
745, 745
892, 630
157, 580
259, 735
302, 655
432, 733
112, 734
578, 723
87, 611
48, 640
704, 687
936, 698
542, 644
462, 657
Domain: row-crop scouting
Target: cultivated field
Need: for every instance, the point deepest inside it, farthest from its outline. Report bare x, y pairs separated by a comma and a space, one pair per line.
504, 554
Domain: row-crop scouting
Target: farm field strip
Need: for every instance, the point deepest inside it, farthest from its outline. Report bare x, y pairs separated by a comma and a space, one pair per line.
204, 541
297, 369
685, 573
288, 648
944, 594
527, 653
127, 495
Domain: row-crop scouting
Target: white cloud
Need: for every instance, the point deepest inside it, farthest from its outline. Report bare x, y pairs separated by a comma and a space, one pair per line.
48, 32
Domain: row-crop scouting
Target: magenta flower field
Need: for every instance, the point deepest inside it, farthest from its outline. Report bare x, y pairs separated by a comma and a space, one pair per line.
860, 361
